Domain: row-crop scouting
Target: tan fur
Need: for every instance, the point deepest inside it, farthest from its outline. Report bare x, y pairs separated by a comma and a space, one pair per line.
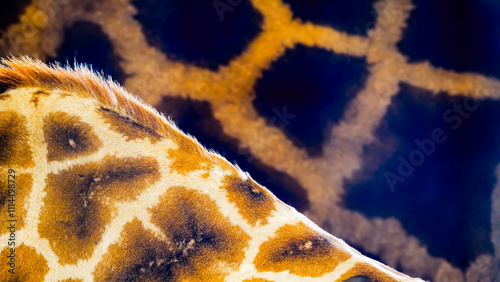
114, 191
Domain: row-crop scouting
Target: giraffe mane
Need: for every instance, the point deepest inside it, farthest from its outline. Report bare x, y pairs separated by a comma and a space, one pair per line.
27, 72
254, 203
19, 72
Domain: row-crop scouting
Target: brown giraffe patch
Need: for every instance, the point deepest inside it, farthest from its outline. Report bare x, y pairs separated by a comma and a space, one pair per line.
78, 203
35, 97
189, 156
23, 185
200, 241
253, 202
14, 148
127, 127
195, 226
30, 266
257, 280
4, 96
65, 94
365, 269
68, 137
301, 251
139, 256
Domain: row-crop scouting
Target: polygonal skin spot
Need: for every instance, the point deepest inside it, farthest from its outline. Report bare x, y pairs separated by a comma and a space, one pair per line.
29, 264
306, 92
68, 137
127, 127
197, 119
301, 251
340, 14
440, 169
367, 273
37, 95
79, 202
464, 38
257, 280
204, 238
199, 32
4, 96
189, 156
139, 256
200, 241
254, 203
87, 43
23, 184
14, 148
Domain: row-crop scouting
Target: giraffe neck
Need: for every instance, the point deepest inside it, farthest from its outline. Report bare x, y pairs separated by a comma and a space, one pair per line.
102, 194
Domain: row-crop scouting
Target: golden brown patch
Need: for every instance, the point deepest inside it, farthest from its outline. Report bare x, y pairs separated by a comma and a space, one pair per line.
79, 202
189, 156
365, 269
29, 265
14, 148
128, 127
64, 94
35, 97
253, 202
4, 96
68, 137
193, 223
23, 184
202, 244
301, 251
257, 280
137, 257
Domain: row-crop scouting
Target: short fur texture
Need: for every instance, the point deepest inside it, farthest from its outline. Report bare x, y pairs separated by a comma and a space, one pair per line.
111, 190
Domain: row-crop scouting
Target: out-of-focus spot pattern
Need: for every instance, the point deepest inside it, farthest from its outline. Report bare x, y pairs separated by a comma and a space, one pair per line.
199, 32
10, 13
341, 14
306, 92
86, 42
317, 100
441, 187
462, 38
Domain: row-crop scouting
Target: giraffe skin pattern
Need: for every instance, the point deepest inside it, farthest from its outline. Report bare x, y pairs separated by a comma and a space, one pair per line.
105, 188
320, 101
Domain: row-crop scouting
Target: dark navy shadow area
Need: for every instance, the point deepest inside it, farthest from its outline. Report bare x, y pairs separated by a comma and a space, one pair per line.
313, 85
196, 118
204, 33
446, 200
10, 13
461, 35
344, 15
87, 42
